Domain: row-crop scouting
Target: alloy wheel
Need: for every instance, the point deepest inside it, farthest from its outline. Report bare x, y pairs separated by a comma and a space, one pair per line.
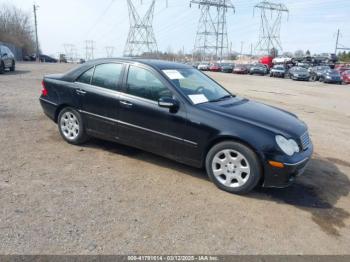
230, 168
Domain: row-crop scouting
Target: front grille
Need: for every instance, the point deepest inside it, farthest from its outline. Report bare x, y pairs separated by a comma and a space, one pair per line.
305, 140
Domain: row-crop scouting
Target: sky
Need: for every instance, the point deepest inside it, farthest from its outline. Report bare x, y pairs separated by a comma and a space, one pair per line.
310, 25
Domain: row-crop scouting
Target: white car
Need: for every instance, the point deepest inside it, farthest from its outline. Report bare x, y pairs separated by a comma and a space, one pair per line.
203, 67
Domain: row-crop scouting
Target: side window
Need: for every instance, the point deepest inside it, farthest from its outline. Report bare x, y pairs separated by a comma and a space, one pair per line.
86, 77
107, 76
143, 83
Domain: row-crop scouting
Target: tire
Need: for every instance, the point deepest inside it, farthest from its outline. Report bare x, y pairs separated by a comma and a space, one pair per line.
226, 155
2, 68
13, 66
71, 126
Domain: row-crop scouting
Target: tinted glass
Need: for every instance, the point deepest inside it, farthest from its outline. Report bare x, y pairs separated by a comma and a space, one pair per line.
107, 76
195, 84
143, 83
86, 77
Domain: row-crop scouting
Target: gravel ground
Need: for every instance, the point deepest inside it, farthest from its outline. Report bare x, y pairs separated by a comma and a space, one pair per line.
104, 198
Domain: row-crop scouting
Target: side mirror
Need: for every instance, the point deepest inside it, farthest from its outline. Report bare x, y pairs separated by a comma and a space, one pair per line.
168, 102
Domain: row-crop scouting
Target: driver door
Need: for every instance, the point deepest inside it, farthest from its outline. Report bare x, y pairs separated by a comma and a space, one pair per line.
143, 123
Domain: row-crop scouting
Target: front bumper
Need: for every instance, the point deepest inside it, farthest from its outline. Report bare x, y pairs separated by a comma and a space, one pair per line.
332, 80
293, 167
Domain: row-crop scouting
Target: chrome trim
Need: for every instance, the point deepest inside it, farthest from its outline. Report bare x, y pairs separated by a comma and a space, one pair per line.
139, 127
298, 163
103, 117
47, 101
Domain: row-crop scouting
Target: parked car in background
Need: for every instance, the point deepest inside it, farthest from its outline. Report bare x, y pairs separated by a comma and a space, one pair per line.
226, 67
47, 59
299, 73
7, 59
346, 77
278, 71
175, 111
342, 68
214, 68
317, 71
258, 69
331, 76
240, 69
203, 66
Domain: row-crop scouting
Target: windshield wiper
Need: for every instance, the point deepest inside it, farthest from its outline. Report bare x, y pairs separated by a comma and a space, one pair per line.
221, 98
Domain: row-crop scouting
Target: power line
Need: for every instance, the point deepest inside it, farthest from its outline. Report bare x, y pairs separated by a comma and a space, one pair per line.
141, 38
270, 25
89, 49
211, 38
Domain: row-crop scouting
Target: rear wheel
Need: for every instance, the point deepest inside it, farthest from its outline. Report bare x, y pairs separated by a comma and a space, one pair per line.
71, 127
233, 167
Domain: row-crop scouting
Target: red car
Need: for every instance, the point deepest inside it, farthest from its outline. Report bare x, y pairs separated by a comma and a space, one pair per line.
240, 69
342, 69
346, 77
215, 68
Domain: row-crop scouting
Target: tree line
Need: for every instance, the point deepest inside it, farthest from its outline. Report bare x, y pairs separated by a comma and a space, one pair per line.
16, 28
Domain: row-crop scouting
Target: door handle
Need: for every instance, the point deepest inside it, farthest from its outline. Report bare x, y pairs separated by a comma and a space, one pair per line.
126, 103
80, 92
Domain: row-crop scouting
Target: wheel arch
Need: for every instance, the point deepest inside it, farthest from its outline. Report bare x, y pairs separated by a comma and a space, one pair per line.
59, 109
223, 138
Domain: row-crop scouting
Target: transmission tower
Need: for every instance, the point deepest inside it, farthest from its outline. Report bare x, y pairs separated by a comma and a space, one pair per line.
89, 49
109, 51
69, 51
270, 25
141, 39
211, 38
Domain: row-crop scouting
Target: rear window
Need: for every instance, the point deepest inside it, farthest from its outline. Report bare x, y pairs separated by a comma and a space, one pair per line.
107, 76
86, 77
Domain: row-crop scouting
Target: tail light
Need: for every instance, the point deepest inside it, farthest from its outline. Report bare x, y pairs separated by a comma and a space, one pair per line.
44, 90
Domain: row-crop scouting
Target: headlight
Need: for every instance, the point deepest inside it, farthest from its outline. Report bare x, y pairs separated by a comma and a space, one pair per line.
288, 146
329, 77
296, 75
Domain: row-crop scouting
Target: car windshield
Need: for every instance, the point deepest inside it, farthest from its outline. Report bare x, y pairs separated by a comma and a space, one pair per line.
279, 67
196, 86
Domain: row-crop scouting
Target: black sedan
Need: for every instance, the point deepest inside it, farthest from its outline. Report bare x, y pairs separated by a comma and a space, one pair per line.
317, 71
226, 68
331, 76
178, 112
299, 73
258, 69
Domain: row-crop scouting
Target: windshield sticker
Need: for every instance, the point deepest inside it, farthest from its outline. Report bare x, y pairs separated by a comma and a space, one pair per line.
173, 74
199, 98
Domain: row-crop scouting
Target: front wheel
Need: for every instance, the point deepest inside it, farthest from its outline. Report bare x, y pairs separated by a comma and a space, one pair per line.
13, 66
233, 167
71, 127
2, 67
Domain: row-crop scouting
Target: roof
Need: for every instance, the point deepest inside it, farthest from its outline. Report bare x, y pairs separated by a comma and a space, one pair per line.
155, 63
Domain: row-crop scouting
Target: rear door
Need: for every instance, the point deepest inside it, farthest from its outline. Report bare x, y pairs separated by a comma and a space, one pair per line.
98, 91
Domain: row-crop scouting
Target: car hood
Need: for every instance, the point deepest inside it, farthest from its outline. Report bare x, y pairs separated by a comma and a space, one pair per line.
267, 117
278, 70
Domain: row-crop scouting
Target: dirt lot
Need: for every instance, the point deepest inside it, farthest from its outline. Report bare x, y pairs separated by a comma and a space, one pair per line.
104, 198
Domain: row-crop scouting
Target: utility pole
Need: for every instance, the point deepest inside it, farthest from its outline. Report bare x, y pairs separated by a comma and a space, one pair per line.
109, 51
242, 43
35, 7
339, 46
337, 42
211, 39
